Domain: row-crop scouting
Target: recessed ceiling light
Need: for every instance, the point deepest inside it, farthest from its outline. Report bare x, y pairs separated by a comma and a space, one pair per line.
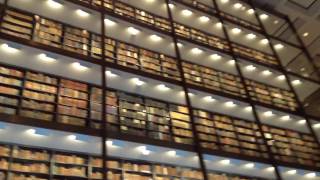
54, 4
224, 1
303, 121
186, 12
171, 5
250, 11
292, 172
218, 24
204, 19
215, 56
9, 49
251, 36
31, 131
72, 137
250, 68
111, 74
264, 16
296, 82
249, 165
179, 44
237, 5
248, 108
236, 30
266, 72
285, 118
138, 82
279, 46
225, 161
82, 13
172, 153
196, 51
275, 22
79, 66
144, 150
305, 34
230, 104
281, 77
231, 62
317, 126
46, 58
268, 113
264, 41
109, 22
109, 143
310, 175
163, 87
155, 37
133, 31
209, 98
270, 169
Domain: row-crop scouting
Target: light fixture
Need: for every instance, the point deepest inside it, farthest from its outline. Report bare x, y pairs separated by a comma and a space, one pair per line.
9, 49
230, 104
190, 94
249, 165
138, 82
263, 16
186, 12
218, 24
231, 62
171, 5
305, 34
237, 5
172, 153
31, 131
179, 44
275, 22
215, 56
209, 98
155, 37
251, 36
281, 77
144, 150
196, 51
46, 58
264, 41
285, 118
204, 19
224, 1
278, 46
248, 108
310, 175
79, 66
296, 82
133, 31
82, 13
250, 11
268, 113
72, 137
109, 22
54, 4
163, 87
236, 30
292, 172
270, 169
266, 73
317, 126
302, 121
111, 74
225, 161
109, 143
250, 68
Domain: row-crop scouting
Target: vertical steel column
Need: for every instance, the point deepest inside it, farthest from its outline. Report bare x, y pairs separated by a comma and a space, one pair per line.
103, 101
254, 109
186, 92
300, 105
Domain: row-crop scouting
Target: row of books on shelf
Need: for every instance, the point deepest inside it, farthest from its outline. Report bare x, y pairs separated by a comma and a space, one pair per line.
80, 104
38, 162
81, 41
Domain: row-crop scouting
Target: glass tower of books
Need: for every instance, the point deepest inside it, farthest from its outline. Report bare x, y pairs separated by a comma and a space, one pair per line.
154, 90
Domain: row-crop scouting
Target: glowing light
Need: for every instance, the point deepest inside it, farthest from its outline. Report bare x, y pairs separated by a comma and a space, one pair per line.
204, 19
264, 41
250, 68
186, 12
155, 37
209, 99
133, 31
296, 82
237, 5
163, 87
250, 11
46, 58
249, 165
236, 30
281, 77
225, 161
54, 4
268, 113
279, 46
251, 36
79, 66
292, 172
82, 13
230, 104
111, 74
109, 22
9, 49
196, 51
266, 73
215, 56
138, 82
263, 16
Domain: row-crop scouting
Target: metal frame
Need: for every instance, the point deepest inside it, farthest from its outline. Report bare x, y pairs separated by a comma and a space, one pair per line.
104, 133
